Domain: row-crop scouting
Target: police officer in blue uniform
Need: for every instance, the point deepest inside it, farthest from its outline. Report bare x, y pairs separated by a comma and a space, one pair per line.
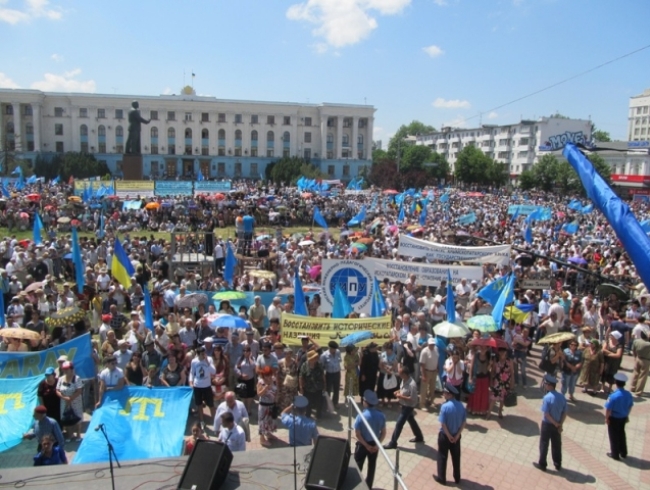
452, 418
302, 429
617, 410
366, 446
554, 408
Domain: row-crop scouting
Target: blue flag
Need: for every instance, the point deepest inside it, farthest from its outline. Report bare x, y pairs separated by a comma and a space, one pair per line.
142, 423
444, 198
587, 209
575, 205
528, 234
31, 180
300, 304
231, 263
414, 205
570, 228
55, 180
423, 214
38, 228
101, 233
378, 306
450, 305
319, 218
342, 307
79, 271
18, 171
645, 226
507, 296
402, 216
148, 309
515, 215
5, 191
492, 291
635, 242
19, 399
359, 218
467, 219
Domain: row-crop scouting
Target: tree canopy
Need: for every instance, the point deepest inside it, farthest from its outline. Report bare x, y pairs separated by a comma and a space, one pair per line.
76, 164
290, 169
475, 167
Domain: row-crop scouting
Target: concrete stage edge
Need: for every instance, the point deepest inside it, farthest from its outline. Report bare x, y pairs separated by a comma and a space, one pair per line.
264, 469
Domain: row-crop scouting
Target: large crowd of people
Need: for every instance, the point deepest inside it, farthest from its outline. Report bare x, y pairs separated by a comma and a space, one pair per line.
247, 375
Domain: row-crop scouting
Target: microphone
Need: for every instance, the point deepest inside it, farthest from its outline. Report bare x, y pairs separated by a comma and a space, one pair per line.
100, 426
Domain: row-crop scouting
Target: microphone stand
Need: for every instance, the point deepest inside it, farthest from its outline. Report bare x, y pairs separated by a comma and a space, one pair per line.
111, 455
295, 463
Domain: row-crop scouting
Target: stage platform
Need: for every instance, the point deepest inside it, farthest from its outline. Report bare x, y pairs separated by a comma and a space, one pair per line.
265, 469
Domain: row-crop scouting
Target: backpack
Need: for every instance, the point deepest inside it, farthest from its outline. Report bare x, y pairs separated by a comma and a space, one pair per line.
545, 363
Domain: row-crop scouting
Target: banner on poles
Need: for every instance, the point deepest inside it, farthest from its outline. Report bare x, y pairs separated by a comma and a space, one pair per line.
426, 274
18, 398
414, 247
322, 330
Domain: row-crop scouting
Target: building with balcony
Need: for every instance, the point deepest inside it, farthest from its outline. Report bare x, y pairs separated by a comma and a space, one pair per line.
638, 120
189, 134
518, 145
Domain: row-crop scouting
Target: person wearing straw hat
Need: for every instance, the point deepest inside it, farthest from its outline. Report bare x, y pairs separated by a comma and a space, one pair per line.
554, 409
453, 418
312, 382
617, 412
366, 446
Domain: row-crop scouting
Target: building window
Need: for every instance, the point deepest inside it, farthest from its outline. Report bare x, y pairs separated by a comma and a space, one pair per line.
254, 172
330, 170
330, 138
254, 119
270, 138
287, 120
346, 170
119, 114
238, 151
221, 169
119, 148
286, 152
221, 151
101, 113
59, 146
308, 137
58, 112
58, 129
254, 151
205, 151
154, 168
154, 132
101, 147
360, 140
238, 119
308, 121
205, 117
30, 146
221, 117
83, 147
171, 150
153, 115
188, 149
9, 110
188, 116
238, 134
83, 112
269, 152
330, 122
347, 122
29, 128
286, 138
171, 133
237, 169
27, 110
119, 132
253, 135
83, 130
307, 154
363, 122
638, 110
171, 115
188, 133
205, 134
346, 139
270, 119
154, 149
330, 155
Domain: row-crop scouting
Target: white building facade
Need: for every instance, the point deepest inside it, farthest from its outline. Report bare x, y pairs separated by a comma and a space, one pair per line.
518, 146
189, 134
638, 126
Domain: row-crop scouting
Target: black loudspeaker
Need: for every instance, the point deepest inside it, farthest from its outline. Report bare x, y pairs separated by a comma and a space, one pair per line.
207, 468
209, 244
263, 253
329, 464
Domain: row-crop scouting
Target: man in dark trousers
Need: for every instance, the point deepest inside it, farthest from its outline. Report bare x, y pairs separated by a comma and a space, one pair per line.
452, 422
366, 446
408, 399
554, 409
617, 410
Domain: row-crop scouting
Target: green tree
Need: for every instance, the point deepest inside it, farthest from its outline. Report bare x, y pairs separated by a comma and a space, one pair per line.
601, 136
545, 172
472, 166
496, 173
438, 166
290, 169
414, 157
397, 141
527, 180
568, 180
379, 155
76, 164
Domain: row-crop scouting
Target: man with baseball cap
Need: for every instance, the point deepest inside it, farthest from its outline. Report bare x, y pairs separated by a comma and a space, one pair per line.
302, 429
44, 425
617, 412
554, 409
366, 446
453, 418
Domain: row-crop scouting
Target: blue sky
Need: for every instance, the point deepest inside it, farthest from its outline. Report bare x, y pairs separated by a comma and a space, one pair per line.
437, 61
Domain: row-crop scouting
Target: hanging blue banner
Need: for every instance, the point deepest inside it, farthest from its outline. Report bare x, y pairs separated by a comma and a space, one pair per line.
18, 398
207, 186
141, 423
173, 188
524, 209
26, 364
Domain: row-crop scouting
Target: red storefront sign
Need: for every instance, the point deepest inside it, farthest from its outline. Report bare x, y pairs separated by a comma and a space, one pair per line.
639, 192
636, 179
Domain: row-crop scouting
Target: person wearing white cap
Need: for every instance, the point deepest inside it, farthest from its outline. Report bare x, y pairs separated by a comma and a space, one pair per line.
617, 412
554, 407
366, 447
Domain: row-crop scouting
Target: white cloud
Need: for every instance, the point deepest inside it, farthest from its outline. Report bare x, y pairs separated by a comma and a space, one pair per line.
441, 103
64, 83
492, 115
433, 51
57, 57
320, 48
31, 9
343, 22
457, 122
6, 82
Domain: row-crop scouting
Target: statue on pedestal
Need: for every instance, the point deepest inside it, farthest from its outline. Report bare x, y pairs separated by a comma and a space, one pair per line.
135, 122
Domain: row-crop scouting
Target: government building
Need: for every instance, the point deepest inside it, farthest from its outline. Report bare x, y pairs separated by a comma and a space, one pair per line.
189, 134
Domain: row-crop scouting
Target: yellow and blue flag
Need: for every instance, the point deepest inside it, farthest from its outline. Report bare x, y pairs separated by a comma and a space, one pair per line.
121, 267
378, 306
507, 296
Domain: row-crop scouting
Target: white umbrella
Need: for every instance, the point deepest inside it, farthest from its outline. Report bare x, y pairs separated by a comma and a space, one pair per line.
306, 243
451, 330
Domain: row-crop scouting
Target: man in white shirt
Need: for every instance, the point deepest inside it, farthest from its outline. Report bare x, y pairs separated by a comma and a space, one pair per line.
463, 290
201, 371
428, 373
275, 310
543, 306
231, 434
239, 413
111, 378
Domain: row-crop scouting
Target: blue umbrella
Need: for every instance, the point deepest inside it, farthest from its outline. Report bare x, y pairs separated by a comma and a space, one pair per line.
482, 323
229, 321
355, 338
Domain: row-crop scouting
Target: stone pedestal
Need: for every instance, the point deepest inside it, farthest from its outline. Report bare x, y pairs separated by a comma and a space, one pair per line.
132, 167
